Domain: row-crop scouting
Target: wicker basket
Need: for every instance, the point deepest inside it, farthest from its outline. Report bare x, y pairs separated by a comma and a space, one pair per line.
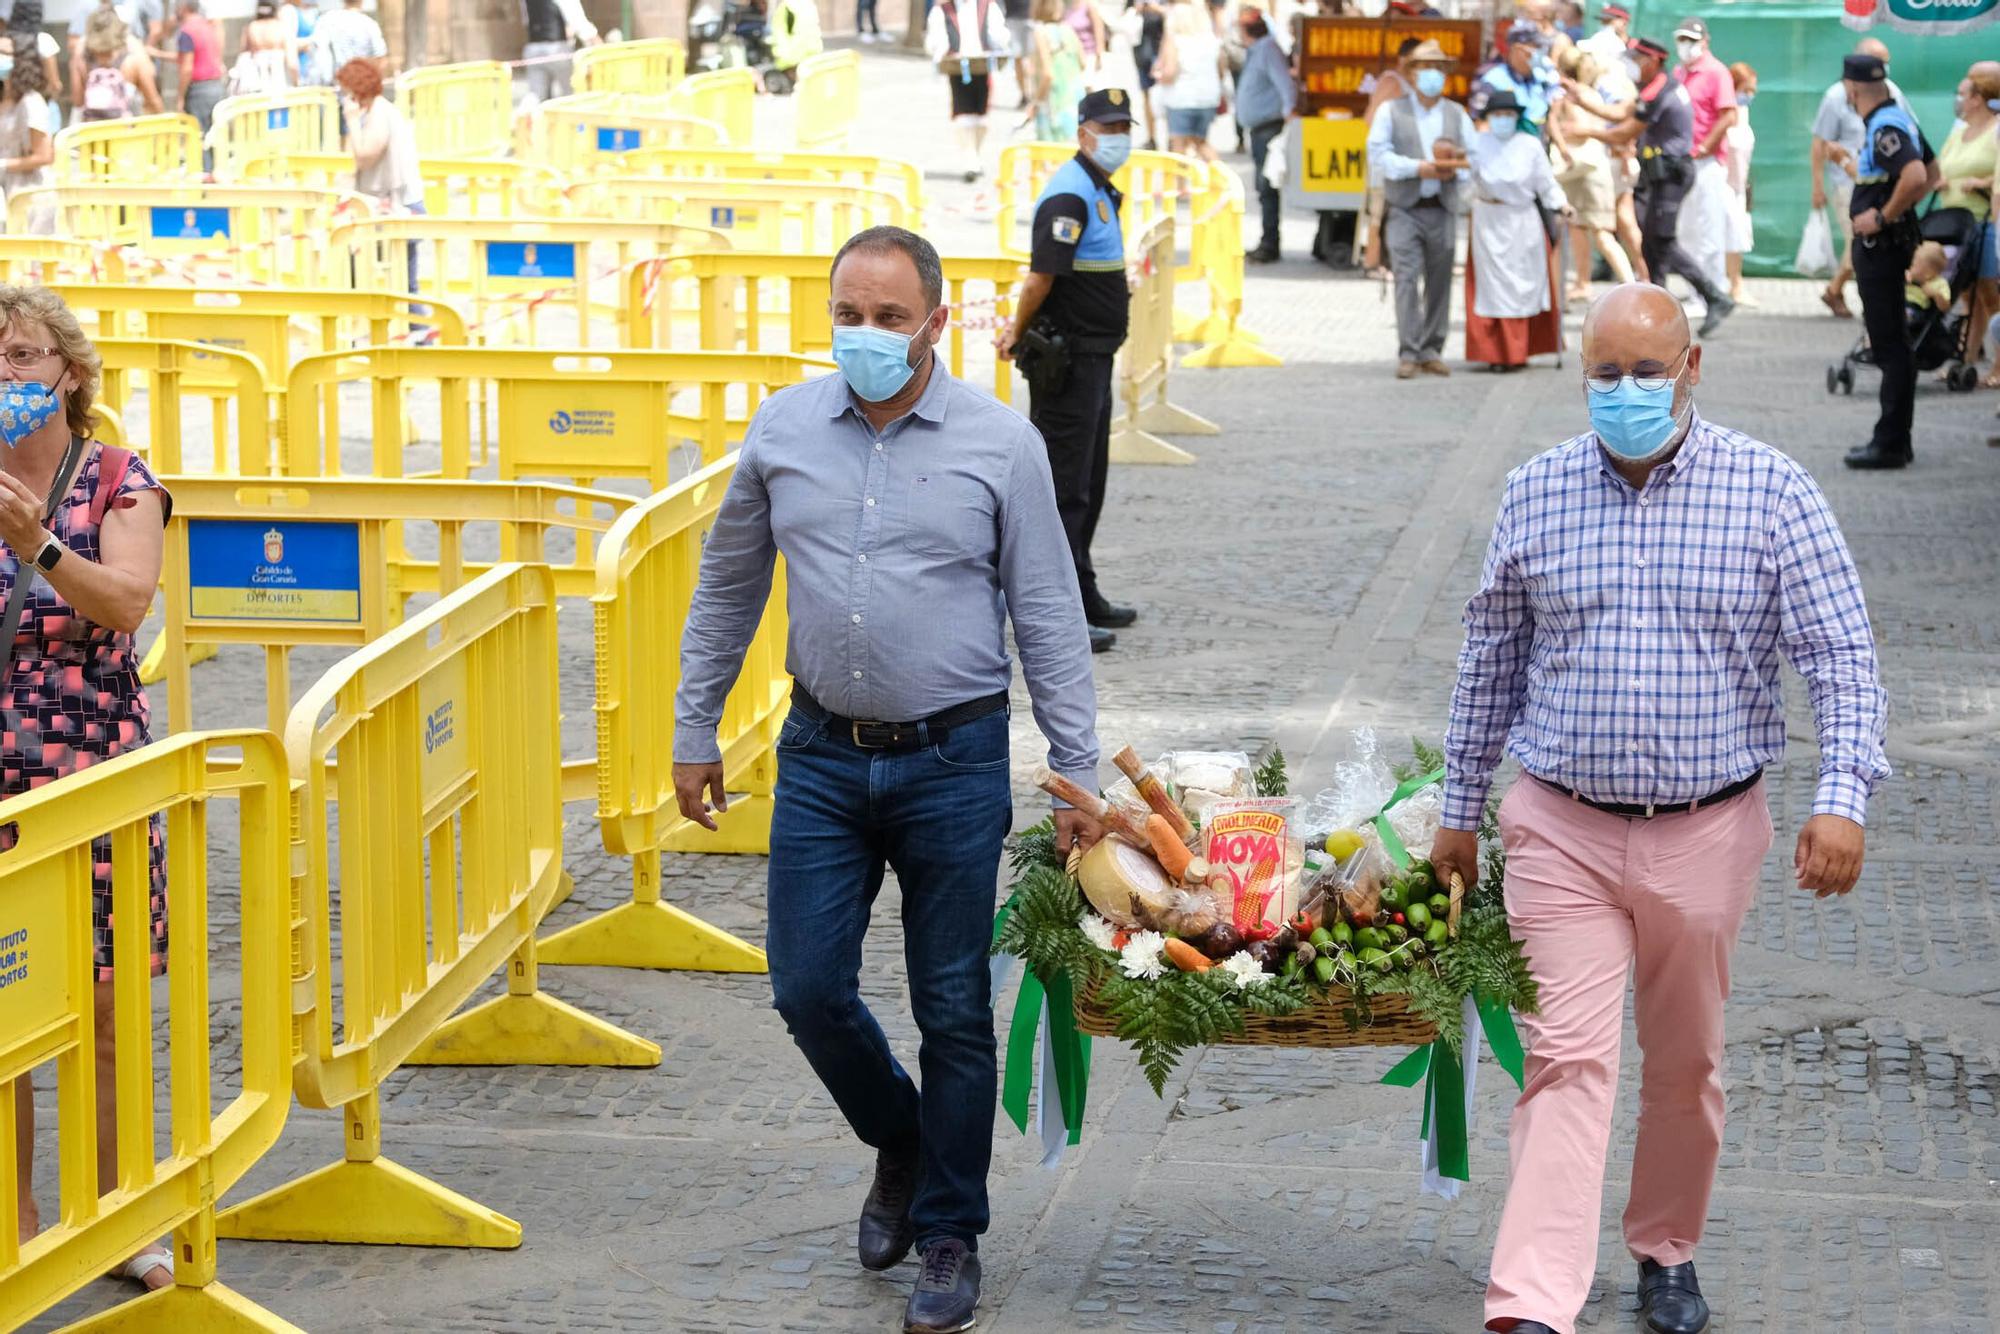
1322, 1024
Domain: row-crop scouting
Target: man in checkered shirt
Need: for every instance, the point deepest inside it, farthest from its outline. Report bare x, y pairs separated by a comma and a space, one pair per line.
1644, 581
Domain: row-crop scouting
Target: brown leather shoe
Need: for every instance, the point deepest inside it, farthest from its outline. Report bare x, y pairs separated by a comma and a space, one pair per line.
1836, 304
1434, 367
1406, 370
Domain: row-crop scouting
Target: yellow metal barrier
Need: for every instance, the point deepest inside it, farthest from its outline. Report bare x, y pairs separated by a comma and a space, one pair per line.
273, 165
780, 217
1147, 358
432, 804
650, 66
1224, 341
473, 187
342, 573
827, 99
507, 271
176, 370
49, 259
194, 233
143, 150
45, 885
779, 301
589, 132
296, 120
578, 415
725, 97
646, 572
462, 110
749, 164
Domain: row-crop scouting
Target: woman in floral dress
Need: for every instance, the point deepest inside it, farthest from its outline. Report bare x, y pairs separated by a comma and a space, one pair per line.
85, 525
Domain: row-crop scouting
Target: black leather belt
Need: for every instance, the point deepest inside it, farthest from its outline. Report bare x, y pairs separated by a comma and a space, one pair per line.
1647, 812
916, 735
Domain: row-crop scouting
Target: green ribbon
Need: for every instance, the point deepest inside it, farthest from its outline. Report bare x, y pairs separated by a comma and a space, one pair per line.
1021, 1050
1069, 1047
1392, 843
1498, 1022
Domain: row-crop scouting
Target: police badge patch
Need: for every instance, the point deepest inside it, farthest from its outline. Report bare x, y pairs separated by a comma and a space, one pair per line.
1066, 231
1103, 211
1888, 142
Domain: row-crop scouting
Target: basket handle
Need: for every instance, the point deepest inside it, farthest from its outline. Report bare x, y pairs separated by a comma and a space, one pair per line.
1457, 901
1075, 860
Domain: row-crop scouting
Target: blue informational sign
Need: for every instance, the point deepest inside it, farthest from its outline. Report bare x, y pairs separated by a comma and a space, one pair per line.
278, 118
188, 224
531, 259
721, 217
290, 570
612, 139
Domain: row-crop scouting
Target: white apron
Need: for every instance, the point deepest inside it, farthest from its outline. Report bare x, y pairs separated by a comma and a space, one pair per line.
1509, 248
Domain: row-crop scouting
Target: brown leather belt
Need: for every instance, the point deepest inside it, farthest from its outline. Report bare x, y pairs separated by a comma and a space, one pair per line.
931, 731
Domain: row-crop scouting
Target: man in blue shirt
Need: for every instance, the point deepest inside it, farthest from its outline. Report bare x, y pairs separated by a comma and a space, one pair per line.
1266, 97
917, 522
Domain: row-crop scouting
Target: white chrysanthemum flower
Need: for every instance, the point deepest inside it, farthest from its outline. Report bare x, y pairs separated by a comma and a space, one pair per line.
1244, 967
1098, 931
1144, 955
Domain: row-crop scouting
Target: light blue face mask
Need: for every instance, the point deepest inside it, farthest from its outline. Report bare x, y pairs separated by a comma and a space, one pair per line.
875, 362
1634, 423
1503, 125
25, 407
1111, 152
1430, 82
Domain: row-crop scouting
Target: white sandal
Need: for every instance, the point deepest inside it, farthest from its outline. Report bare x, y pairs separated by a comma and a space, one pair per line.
144, 1263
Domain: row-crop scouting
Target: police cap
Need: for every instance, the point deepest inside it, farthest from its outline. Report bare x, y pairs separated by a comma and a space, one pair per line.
1106, 106
1864, 69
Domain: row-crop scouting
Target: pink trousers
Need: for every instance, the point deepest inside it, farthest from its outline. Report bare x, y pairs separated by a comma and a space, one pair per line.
1591, 896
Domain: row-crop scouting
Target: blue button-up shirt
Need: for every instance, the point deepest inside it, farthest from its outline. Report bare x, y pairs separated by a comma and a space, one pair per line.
907, 551
1629, 641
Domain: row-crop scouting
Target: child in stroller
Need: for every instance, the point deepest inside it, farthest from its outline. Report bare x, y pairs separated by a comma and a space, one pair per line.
1944, 268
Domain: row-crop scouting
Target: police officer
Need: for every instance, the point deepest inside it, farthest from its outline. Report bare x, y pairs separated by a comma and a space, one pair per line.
1662, 120
1892, 174
1069, 323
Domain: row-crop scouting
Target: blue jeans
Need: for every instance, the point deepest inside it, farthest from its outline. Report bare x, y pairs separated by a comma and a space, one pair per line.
938, 817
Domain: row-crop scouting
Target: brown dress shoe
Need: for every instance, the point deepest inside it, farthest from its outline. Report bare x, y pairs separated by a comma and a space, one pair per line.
1406, 370
1435, 367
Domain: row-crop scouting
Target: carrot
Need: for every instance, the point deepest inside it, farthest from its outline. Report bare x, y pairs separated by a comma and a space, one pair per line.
1173, 854
1186, 957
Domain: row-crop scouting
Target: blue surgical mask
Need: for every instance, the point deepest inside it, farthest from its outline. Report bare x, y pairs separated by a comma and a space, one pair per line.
1111, 152
1745, 99
25, 407
1503, 125
1634, 424
1430, 82
6, 66
875, 362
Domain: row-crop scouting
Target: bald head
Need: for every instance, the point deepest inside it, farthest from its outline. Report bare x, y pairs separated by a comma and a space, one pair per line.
1871, 46
1634, 322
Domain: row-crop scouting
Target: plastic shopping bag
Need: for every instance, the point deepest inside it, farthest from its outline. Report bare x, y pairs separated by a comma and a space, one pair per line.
1815, 257
1275, 164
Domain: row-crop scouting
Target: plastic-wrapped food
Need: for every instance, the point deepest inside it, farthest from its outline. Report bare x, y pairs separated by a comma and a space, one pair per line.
1257, 860
1200, 778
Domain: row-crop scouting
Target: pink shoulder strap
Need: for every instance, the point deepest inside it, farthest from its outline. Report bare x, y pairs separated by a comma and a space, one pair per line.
112, 465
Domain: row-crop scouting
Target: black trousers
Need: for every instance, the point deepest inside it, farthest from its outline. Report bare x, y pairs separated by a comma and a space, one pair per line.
1076, 426
1658, 204
1878, 273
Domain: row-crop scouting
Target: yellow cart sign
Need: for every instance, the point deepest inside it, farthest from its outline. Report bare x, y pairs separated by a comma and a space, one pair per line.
1328, 162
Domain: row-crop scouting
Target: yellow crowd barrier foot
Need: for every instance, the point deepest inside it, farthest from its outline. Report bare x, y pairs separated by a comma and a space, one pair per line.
651, 935
745, 828
1134, 446
1235, 350
1187, 327
1175, 420
374, 1203
534, 1029
212, 1309
564, 888
153, 667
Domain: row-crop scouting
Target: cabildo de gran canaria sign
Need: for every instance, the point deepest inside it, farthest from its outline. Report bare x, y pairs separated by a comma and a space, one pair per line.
1929, 17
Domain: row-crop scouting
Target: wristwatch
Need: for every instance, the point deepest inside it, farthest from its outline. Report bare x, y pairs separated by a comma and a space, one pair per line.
51, 553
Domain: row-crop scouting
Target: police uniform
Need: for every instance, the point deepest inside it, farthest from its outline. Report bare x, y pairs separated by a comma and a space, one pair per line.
1077, 239
1891, 141
1666, 170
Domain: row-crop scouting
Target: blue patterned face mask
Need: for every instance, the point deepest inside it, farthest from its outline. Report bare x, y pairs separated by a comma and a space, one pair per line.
25, 407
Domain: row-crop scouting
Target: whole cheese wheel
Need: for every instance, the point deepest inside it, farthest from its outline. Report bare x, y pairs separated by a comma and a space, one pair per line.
1125, 884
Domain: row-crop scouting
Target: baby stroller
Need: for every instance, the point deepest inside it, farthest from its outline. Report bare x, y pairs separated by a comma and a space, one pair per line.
1938, 338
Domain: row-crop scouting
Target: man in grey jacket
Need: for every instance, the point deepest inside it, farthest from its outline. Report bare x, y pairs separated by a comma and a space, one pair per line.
1416, 147
1266, 97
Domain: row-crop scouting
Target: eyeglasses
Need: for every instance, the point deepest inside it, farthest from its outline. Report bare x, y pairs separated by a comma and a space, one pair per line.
27, 358
1605, 379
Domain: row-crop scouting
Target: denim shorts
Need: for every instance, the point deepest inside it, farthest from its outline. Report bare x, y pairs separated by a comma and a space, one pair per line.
1989, 253
1190, 122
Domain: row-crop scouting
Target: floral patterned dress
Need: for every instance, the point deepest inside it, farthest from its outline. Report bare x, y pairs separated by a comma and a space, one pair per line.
71, 698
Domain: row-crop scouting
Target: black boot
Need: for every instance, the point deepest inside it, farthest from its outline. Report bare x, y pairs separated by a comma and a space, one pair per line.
947, 1291
1670, 1298
1720, 308
886, 1234
1873, 456
1107, 615
1101, 639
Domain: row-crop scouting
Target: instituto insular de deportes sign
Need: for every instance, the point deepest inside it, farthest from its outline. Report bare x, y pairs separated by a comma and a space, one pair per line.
1936, 18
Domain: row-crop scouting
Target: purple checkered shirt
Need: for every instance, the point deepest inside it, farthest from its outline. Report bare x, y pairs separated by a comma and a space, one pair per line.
1628, 641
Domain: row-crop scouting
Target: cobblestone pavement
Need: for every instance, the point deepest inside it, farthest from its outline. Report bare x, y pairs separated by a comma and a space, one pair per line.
1303, 579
